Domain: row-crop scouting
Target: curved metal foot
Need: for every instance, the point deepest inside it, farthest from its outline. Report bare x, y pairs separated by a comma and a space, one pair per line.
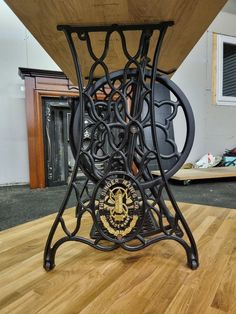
48, 265
193, 262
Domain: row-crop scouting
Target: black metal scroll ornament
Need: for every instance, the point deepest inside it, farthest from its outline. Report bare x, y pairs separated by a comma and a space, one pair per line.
123, 197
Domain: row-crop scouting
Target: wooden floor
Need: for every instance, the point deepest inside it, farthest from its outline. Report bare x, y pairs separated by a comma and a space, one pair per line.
154, 280
201, 173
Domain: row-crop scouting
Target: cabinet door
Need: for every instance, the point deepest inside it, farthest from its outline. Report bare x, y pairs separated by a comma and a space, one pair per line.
56, 118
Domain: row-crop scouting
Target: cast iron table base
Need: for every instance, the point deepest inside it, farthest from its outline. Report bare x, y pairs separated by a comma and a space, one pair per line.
126, 202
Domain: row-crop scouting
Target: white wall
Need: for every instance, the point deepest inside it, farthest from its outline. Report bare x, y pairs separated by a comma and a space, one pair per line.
215, 125
18, 48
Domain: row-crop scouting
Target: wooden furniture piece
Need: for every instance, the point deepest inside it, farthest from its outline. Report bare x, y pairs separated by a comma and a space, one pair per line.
39, 84
88, 282
191, 18
202, 174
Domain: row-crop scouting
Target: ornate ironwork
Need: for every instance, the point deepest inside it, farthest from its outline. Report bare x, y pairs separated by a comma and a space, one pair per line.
49, 150
123, 197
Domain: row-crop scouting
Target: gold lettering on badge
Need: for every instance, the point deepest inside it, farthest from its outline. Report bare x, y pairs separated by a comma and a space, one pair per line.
118, 207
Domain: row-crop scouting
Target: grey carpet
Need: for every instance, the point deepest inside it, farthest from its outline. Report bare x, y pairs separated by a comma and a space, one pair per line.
20, 204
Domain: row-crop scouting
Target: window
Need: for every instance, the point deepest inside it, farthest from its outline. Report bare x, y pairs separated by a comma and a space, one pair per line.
225, 70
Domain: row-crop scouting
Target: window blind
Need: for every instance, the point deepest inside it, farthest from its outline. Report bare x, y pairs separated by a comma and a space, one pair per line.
229, 70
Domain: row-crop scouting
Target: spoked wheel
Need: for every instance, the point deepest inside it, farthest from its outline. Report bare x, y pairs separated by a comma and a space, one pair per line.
101, 108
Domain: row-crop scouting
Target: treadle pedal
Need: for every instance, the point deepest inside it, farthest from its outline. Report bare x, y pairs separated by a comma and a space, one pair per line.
149, 228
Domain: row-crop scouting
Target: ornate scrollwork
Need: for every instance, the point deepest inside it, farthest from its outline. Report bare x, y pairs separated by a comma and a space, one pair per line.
126, 201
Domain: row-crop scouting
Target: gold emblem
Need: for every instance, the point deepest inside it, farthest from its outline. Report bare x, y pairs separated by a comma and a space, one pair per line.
119, 207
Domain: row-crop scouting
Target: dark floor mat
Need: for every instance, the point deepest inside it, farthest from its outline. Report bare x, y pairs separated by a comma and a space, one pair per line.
20, 204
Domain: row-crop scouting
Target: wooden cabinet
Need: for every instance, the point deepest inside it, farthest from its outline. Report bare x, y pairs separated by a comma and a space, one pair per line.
39, 84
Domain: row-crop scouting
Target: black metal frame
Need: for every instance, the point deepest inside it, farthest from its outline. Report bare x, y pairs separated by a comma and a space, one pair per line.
123, 128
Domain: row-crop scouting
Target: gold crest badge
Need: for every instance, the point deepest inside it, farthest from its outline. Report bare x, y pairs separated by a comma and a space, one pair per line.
119, 207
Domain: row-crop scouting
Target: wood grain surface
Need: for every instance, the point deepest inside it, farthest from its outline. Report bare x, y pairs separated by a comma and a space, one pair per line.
152, 281
191, 18
201, 174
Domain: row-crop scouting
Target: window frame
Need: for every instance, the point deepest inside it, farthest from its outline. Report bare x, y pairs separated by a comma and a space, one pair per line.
220, 99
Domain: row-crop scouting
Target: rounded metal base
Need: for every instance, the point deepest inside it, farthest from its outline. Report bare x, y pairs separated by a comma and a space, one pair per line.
193, 264
48, 265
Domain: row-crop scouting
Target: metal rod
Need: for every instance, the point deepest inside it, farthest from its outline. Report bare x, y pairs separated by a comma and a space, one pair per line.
114, 27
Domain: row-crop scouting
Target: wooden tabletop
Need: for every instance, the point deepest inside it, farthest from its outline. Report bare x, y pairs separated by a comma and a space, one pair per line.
191, 17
